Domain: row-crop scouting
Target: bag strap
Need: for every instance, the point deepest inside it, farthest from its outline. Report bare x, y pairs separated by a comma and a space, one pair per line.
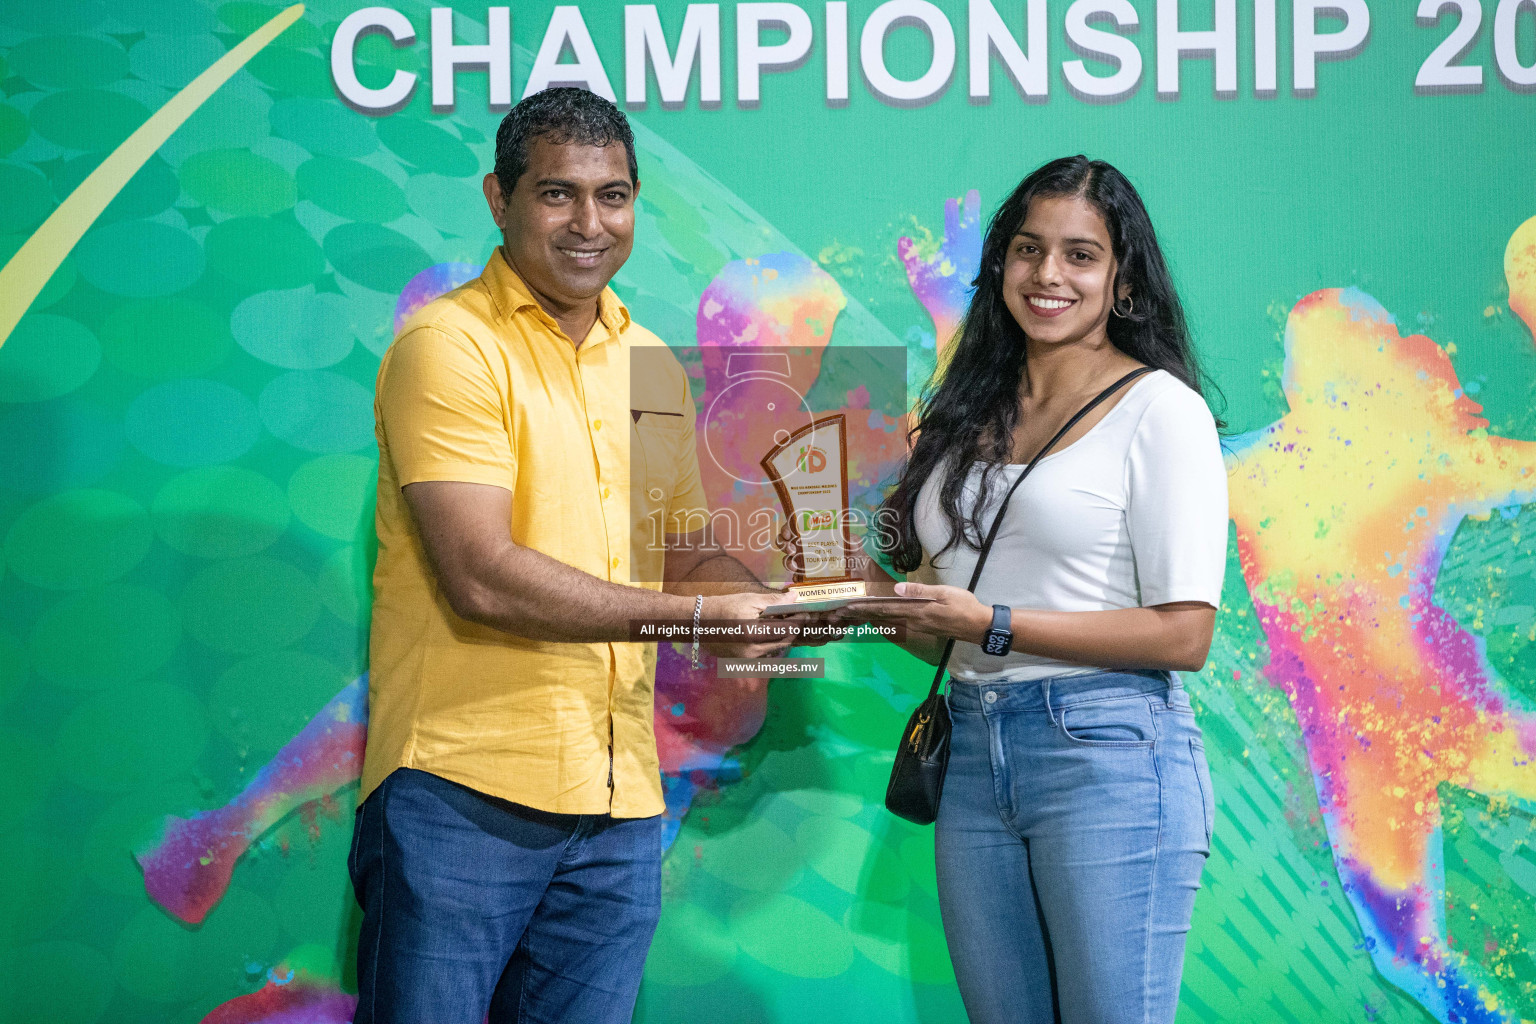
1002, 509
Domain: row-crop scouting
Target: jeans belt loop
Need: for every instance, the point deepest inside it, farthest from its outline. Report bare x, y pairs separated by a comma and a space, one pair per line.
1049, 711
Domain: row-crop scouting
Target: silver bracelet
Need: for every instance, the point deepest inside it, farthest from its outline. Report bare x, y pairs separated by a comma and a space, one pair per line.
698, 608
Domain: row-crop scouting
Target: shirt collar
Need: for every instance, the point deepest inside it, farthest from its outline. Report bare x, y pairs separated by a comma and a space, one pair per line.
511, 295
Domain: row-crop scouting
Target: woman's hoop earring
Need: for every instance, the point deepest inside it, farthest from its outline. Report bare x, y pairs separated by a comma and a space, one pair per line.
1130, 310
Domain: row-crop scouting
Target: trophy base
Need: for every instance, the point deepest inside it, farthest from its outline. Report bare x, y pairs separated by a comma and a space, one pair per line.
800, 593
825, 590
821, 596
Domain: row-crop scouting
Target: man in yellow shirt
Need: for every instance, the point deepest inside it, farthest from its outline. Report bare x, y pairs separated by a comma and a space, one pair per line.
508, 844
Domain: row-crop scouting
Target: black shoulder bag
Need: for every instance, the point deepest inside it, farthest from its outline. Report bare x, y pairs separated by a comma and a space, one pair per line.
917, 777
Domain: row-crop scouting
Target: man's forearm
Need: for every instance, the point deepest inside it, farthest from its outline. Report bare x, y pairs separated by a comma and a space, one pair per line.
716, 575
529, 594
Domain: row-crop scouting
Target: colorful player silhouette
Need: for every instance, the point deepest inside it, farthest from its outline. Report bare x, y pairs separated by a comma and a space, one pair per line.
1344, 510
187, 869
941, 280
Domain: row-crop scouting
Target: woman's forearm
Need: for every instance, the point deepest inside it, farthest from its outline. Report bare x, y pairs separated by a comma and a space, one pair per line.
1174, 636
1170, 636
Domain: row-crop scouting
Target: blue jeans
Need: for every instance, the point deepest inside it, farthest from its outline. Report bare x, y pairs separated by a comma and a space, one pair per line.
474, 906
1075, 821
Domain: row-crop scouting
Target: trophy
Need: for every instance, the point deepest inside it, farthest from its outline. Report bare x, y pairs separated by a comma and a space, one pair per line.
809, 470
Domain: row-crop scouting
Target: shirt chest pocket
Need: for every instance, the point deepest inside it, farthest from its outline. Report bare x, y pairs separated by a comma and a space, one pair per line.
656, 441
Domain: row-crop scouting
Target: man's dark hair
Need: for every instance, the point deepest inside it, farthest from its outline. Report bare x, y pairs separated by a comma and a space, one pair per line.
562, 115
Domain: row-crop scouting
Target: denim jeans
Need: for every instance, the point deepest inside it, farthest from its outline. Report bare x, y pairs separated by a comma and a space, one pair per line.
1075, 821
476, 906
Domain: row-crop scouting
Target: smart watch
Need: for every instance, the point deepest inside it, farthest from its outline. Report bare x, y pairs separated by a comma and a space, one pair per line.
999, 638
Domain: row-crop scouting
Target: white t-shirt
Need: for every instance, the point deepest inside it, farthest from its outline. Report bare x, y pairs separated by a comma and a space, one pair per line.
1132, 514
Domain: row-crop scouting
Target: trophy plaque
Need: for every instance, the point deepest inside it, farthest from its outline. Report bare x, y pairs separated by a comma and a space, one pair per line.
809, 470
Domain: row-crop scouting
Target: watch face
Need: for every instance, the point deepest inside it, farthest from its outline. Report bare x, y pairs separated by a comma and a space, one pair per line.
997, 643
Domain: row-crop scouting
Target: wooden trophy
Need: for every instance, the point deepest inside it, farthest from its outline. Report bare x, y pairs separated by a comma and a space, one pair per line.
809, 470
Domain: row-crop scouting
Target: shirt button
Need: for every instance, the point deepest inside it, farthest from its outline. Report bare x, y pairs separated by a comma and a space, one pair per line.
597, 424
605, 492
991, 697
615, 563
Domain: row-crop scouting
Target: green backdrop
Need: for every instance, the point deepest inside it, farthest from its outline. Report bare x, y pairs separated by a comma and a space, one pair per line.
187, 464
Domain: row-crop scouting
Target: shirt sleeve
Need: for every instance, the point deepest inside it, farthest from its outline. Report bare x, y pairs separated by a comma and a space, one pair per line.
689, 503
442, 414
1177, 505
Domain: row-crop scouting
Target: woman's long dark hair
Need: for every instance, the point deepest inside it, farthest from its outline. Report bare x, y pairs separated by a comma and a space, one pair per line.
970, 408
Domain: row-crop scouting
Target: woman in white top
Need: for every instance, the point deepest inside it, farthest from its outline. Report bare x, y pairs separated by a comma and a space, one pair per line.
1076, 813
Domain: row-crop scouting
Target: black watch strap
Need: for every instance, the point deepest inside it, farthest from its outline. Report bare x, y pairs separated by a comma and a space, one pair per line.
999, 638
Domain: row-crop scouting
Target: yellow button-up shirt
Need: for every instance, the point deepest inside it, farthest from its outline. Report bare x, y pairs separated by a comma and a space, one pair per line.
482, 386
